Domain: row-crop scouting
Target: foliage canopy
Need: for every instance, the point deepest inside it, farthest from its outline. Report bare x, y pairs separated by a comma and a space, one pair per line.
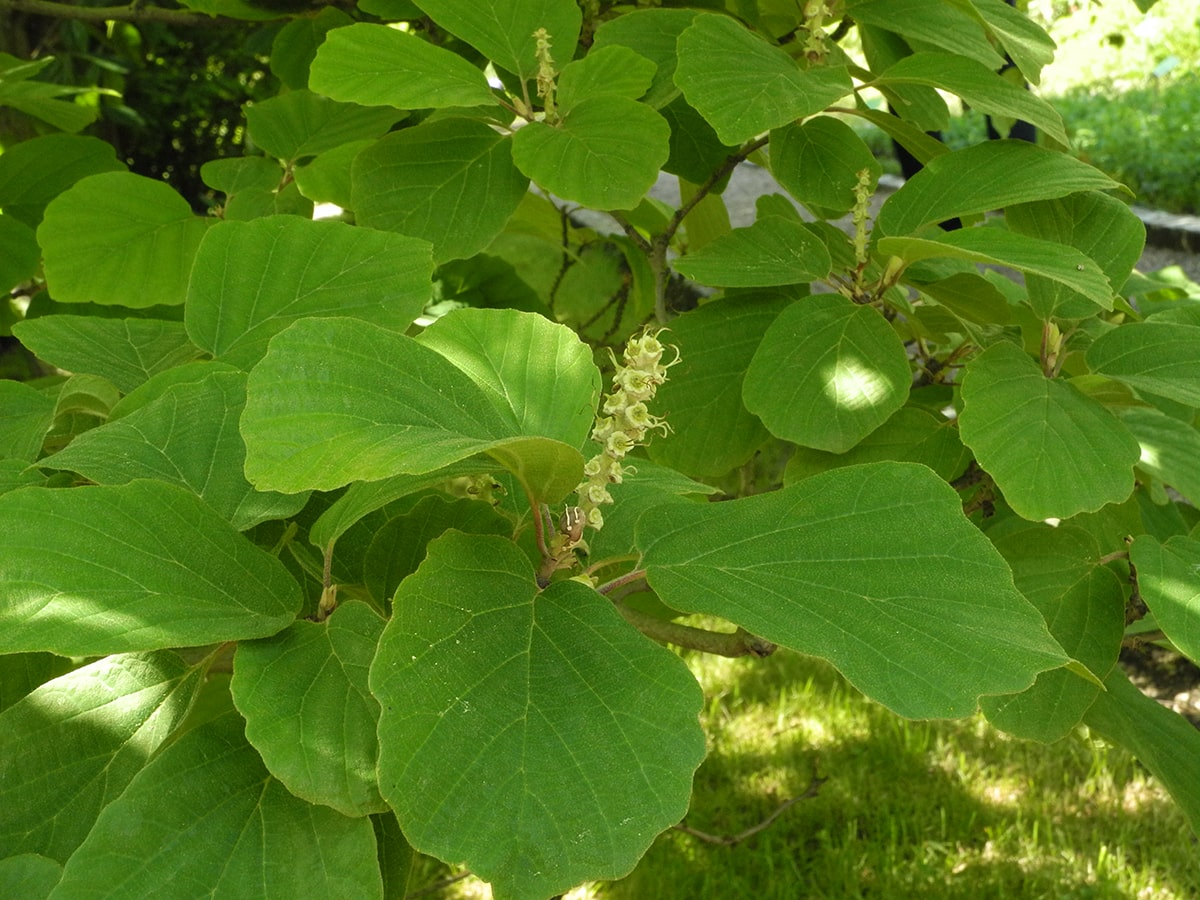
323, 542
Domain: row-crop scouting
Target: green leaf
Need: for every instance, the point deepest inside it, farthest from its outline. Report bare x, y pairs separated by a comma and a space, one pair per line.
818, 162
398, 547
979, 179
1024, 41
26, 415
326, 179
364, 497
120, 239
1169, 580
35, 172
1162, 358
612, 70
606, 152
535, 369
1099, 226
205, 818
188, 436
1084, 606
29, 876
1165, 742
744, 86
968, 296
125, 351
827, 374
103, 722
994, 246
772, 251
910, 435
308, 711
253, 279
15, 473
979, 86
379, 66
315, 418
300, 123
503, 32
20, 673
712, 431
1073, 454
652, 34
296, 44
19, 253
1170, 449
111, 569
451, 182
499, 701
923, 620
932, 22
395, 855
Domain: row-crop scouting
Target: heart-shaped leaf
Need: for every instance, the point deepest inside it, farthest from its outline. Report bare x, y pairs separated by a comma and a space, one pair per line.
1073, 454
498, 701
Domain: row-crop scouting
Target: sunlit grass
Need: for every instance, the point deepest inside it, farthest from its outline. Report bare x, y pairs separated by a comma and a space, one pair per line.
908, 809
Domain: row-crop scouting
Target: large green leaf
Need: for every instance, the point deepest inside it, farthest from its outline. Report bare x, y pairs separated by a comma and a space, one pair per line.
308, 711
1165, 742
300, 123
206, 819
744, 86
379, 66
138, 566
125, 351
187, 436
979, 86
923, 619
605, 70
979, 179
118, 238
1072, 455
605, 153
818, 162
1169, 580
994, 246
296, 44
451, 182
536, 369
653, 34
827, 374
1159, 357
503, 32
34, 172
71, 746
316, 417
712, 431
929, 22
1170, 449
1084, 607
499, 702
1099, 226
253, 279
26, 414
774, 250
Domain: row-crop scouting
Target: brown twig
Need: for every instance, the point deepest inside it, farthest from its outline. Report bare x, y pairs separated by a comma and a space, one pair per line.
814, 787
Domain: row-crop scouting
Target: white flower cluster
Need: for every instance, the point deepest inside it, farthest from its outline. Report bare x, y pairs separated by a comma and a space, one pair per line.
624, 420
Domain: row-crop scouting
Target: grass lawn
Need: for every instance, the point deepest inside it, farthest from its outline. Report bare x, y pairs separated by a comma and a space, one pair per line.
907, 809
